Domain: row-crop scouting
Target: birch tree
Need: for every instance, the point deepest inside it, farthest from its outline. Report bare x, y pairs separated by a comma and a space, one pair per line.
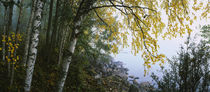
33, 45
143, 20
28, 31
84, 7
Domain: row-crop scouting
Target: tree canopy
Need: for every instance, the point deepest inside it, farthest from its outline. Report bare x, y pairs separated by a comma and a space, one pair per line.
145, 22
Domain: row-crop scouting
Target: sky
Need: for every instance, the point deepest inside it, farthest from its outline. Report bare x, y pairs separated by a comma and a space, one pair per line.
167, 47
135, 63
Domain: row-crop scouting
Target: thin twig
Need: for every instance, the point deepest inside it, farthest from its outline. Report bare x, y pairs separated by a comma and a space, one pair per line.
122, 6
100, 18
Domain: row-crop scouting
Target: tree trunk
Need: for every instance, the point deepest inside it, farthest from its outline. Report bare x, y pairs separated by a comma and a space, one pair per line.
4, 33
19, 18
48, 31
9, 29
65, 65
11, 5
33, 46
63, 42
49, 22
28, 32
54, 30
55, 24
12, 75
81, 12
61, 49
16, 40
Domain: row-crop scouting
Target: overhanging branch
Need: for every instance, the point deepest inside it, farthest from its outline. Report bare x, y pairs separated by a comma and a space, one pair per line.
125, 6
100, 18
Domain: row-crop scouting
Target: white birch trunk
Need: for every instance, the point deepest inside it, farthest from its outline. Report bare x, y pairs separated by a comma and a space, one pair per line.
65, 65
28, 31
77, 21
33, 46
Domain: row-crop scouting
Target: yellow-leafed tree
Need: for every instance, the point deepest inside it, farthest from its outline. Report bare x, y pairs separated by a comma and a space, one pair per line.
143, 20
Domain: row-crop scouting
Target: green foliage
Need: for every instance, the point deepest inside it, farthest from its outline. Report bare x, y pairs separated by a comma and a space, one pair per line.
206, 33
189, 71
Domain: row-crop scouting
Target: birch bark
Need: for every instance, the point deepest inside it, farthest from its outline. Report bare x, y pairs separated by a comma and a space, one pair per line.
28, 32
68, 58
65, 65
33, 45
83, 9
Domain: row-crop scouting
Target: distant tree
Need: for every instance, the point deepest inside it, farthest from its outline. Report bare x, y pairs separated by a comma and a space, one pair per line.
206, 33
189, 71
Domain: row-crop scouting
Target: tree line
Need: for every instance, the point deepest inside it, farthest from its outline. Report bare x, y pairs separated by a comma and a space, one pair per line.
189, 69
